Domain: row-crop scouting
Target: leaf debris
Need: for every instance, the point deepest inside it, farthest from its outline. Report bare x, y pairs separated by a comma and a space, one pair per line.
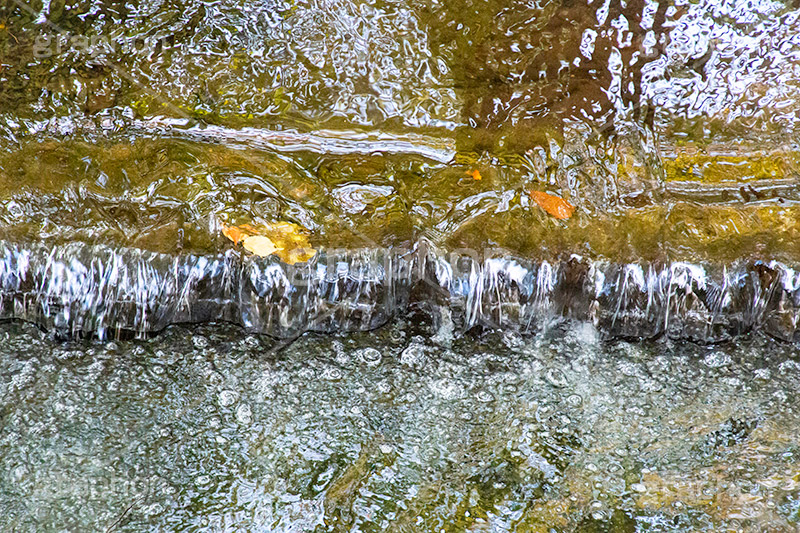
476, 174
286, 240
554, 205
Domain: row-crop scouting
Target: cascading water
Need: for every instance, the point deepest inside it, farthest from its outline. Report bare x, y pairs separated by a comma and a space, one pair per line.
80, 289
553, 283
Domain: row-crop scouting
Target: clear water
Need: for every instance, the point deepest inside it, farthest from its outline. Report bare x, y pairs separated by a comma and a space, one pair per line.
473, 363
671, 126
211, 429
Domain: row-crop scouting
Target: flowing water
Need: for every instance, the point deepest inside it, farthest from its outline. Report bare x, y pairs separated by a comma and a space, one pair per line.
453, 357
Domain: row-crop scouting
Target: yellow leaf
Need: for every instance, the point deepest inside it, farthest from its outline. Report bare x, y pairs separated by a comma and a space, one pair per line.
292, 241
286, 240
259, 245
555, 206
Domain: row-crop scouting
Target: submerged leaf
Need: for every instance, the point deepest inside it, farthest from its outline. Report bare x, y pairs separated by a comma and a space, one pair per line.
292, 241
286, 240
476, 174
555, 206
259, 245
233, 233
298, 255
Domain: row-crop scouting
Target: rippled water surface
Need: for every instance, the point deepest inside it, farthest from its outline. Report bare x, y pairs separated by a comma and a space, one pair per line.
669, 125
453, 357
210, 429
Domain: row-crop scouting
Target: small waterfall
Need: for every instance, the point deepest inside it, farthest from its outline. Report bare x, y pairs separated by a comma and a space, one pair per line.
79, 289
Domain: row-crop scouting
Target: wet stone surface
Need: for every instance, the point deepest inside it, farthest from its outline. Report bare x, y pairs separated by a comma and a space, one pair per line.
210, 428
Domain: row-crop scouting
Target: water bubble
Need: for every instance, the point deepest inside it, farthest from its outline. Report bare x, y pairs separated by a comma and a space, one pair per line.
574, 400
341, 355
513, 340
397, 335
250, 342
484, 396
789, 366
733, 381
153, 509
762, 374
213, 377
413, 356
200, 342
717, 360
446, 389
163, 357
332, 374
370, 356
202, 480
244, 415
626, 368
556, 377
68, 354
227, 398
96, 369
408, 397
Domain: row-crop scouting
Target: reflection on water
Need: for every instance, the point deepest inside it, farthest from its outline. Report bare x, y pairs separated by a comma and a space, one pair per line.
429, 64
130, 133
618, 106
208, 429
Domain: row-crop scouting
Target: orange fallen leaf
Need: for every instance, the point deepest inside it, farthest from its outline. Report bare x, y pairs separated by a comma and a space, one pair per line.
239, 233
233, 233
476, 174
555, 206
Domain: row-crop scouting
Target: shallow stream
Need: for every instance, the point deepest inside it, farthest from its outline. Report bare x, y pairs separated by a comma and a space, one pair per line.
430, 348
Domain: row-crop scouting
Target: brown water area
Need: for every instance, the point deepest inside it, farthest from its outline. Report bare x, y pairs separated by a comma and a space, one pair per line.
670, 127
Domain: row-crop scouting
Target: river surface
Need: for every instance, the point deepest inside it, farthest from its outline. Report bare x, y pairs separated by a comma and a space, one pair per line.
210, 429
430, 349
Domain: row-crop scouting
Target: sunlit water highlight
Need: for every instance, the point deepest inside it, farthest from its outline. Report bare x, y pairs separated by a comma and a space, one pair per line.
443, 386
